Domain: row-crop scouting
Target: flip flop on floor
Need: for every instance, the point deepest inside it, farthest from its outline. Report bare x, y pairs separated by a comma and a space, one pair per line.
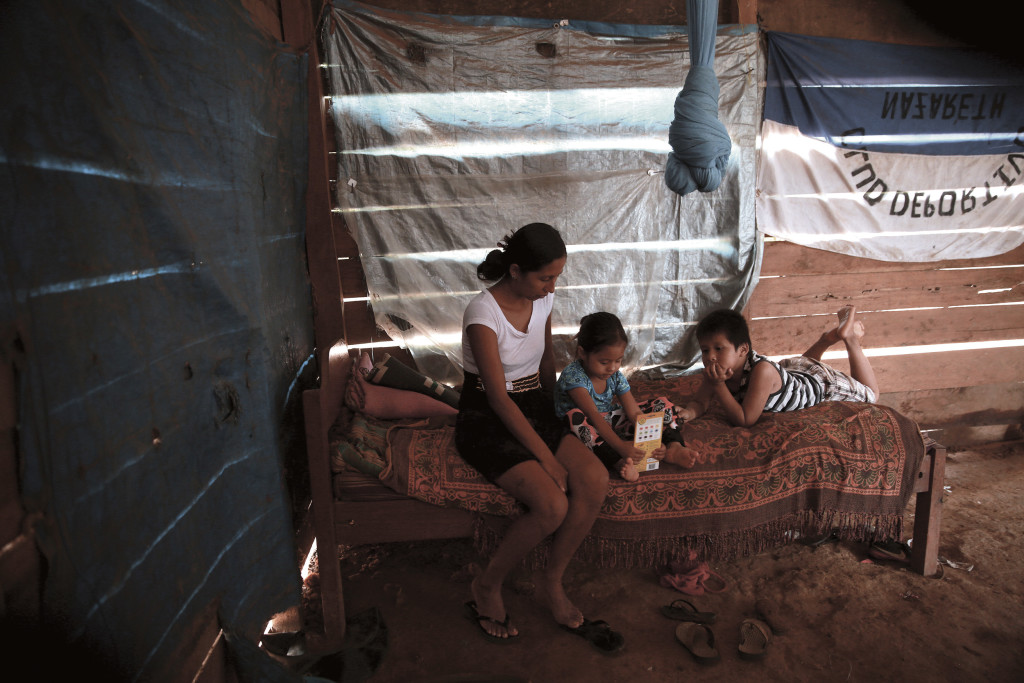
474, 615
890, 550
755, 637
599, 634
699, 639
684, 610
697, 581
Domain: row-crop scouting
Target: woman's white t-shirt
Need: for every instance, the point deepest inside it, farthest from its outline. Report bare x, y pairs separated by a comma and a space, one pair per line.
520, 352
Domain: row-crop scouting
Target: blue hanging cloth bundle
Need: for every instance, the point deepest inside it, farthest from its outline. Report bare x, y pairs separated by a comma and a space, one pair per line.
700, 143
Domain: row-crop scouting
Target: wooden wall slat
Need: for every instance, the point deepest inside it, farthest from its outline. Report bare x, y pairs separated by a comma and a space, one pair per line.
344, 243
353, 279
786, 258
823, 294
989, 404
793, 335
943, 370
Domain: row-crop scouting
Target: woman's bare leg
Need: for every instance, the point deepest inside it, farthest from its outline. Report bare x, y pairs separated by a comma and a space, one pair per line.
588, 487
546, 510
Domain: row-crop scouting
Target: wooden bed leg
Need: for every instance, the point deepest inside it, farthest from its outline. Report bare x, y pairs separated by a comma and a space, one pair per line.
332, 599
924, 556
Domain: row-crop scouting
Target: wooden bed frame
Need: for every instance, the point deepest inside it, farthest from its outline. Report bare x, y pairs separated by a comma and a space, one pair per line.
389, 517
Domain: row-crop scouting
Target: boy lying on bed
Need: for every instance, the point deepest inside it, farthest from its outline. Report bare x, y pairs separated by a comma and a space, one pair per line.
748, 384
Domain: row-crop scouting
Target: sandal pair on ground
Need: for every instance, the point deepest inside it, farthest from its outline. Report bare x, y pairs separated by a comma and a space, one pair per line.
692, 577
598, 633
695, 632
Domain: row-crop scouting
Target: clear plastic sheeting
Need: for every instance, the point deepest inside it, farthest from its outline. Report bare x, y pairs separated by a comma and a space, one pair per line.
454, 131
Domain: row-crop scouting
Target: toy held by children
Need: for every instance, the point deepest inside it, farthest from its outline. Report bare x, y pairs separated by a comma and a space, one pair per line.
748, 384
647, 437
594, 395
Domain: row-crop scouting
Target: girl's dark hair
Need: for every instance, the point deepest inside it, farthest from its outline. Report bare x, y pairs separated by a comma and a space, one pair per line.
727, 321
531, 247
599, 330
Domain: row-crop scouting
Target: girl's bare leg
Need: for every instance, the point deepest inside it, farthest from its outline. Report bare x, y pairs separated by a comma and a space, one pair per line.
546, 510
588, 487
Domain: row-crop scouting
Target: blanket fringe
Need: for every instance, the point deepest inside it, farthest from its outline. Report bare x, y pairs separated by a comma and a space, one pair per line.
656, 553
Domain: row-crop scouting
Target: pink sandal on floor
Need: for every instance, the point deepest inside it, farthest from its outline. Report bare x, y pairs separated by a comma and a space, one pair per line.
697, 581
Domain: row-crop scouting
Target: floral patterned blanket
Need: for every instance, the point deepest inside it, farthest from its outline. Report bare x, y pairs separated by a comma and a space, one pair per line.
842, 466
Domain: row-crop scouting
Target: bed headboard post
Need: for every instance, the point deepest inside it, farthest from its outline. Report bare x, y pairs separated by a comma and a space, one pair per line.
334, 374
320, 409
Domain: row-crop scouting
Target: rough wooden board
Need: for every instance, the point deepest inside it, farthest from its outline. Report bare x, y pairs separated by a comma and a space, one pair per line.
945, 370
977, 406
786, 258
796, 333
824, 294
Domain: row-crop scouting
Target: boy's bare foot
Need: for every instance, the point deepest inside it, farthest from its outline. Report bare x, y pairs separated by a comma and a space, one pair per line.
562, 609
489, 604
627, 470
680, 455
849, 327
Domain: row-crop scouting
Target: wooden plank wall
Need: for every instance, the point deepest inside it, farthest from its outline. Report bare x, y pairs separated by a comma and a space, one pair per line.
946, 339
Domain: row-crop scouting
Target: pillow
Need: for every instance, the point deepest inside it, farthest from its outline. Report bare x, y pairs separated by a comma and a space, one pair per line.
388, 403
392, 373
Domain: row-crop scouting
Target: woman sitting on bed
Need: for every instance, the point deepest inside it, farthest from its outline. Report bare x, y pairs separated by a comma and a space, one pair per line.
507, 429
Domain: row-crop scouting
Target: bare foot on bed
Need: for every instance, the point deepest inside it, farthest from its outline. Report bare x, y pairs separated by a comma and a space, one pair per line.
678, 454
490, 605
562, 609
627, 470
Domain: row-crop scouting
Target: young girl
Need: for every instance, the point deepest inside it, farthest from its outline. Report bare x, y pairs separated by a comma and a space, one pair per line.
507, 429
586, 394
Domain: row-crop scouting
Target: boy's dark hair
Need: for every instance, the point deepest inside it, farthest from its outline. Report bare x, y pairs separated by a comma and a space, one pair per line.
727, 321
598, 330
531, 247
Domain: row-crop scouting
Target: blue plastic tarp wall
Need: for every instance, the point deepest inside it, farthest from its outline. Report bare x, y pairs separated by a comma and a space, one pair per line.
154, 298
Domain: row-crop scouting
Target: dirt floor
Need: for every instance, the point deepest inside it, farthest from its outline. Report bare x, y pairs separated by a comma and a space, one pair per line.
845, 617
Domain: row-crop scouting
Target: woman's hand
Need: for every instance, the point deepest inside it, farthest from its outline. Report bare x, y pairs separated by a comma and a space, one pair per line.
557, 472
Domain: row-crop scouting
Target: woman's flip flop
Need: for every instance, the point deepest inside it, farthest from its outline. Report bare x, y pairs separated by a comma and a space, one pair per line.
755, 637
699, 639
474, 615
599, 634
684, 610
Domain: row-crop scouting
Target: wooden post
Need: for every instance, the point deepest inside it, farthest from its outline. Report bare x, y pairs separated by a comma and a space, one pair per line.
924, 557
329, 326
747, 11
